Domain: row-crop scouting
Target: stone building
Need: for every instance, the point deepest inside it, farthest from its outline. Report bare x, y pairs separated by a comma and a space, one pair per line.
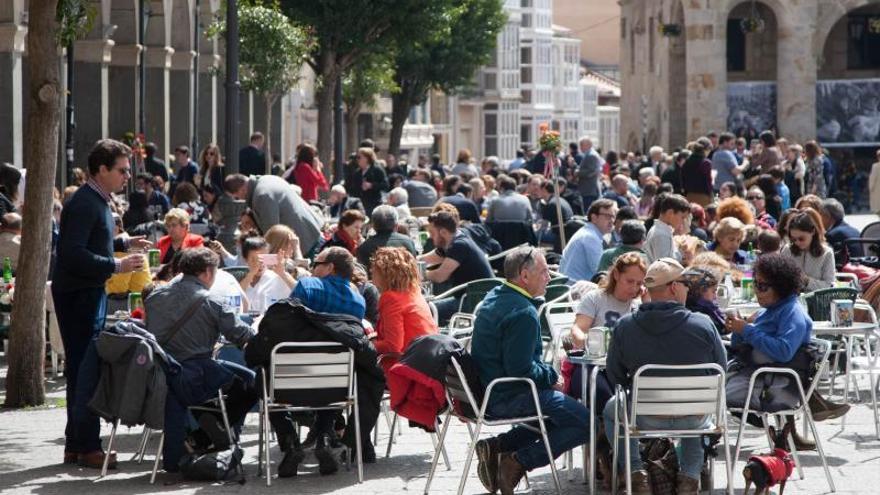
106, 82
807, 68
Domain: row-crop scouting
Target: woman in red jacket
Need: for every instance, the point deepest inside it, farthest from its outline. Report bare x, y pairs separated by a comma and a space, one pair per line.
404, 314
179, 237
308, 172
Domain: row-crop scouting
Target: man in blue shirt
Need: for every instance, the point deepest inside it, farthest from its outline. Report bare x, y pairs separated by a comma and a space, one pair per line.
507, 343
329, 290
724, 162
580, 258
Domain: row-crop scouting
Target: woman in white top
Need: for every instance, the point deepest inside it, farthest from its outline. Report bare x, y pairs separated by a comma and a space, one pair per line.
261, 285
617, 295
807, 247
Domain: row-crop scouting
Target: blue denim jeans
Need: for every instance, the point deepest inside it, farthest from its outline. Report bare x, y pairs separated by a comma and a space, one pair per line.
690, 459
567, 427
80, 319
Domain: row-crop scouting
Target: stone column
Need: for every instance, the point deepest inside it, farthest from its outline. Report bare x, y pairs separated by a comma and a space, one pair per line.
796, 74
90, 95
208, 100
180, 97
123, 98
705, 35
12, 44
157, 101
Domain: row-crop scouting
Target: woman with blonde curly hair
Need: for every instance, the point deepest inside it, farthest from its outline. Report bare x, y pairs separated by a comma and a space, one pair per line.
404, 314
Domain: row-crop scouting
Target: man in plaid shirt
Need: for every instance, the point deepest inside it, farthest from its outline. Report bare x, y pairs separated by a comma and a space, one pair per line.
330, 290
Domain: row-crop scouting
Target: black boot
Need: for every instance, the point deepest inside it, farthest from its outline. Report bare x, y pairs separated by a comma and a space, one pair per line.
293, 455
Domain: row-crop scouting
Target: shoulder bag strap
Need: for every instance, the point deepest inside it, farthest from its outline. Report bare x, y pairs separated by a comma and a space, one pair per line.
183, 319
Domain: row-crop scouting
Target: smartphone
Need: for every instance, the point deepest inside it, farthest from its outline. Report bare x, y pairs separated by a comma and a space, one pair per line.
269, 260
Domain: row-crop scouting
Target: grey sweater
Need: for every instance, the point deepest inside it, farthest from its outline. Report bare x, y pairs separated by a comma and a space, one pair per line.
274, 201
818, 269
199, 334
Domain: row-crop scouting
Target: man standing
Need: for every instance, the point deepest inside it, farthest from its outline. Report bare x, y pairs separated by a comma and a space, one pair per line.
153, 165
663, 331
274, 201
589, 172
85, 261
580, 259
507, 343
252, 158
724, 162
186, 168
660, 242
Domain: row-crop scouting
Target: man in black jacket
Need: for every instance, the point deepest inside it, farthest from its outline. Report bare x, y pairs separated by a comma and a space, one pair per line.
252, 158
369, 181
85, 262
291, 321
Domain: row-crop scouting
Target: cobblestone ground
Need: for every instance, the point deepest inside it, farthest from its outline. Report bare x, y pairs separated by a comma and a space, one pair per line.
31, 448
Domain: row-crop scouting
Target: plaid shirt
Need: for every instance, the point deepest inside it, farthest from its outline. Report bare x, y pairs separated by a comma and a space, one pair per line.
330, 294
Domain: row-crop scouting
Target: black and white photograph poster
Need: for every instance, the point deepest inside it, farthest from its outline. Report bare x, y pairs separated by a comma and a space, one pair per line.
752, 108
847, 112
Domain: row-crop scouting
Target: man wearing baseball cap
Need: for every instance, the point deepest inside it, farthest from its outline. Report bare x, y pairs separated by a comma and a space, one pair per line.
663, 331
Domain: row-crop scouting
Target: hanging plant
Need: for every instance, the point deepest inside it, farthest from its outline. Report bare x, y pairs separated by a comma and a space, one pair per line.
754, 23
670, 30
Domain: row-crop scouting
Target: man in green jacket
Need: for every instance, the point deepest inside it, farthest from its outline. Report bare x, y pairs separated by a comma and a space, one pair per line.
507, 343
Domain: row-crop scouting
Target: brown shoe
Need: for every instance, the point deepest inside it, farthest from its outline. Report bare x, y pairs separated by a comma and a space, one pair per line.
823, 409
685, 485
510, 471
95, 460
800, 443
70, 457
641, 484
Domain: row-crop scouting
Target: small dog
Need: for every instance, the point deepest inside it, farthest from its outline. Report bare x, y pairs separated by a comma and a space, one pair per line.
766, 470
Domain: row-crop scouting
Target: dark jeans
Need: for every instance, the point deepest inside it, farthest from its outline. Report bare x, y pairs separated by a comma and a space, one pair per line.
567, 427
446, 307
603, 387
203, 378
80, 318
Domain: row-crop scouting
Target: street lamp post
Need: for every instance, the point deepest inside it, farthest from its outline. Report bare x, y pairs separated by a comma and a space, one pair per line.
142, 69
337, 132
195, 84
232, 86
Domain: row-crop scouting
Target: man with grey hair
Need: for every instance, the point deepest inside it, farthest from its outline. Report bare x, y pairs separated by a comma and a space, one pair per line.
340, 201
507, 344
837, 230
399, 199
384, 222
589, 172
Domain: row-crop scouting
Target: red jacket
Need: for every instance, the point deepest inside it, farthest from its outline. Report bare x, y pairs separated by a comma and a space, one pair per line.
779, 465
310, 180
190, 241
403, 317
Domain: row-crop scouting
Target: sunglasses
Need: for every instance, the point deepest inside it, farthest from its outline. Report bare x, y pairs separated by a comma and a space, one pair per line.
762, 286
753, 198
316, 264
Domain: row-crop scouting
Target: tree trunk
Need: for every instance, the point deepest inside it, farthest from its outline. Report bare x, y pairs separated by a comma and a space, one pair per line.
324, 93
351, 127
24, 382
270, 102
400, 107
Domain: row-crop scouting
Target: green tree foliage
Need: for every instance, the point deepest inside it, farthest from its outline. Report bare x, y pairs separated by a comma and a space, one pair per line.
75, 19
346, 31
272, 52
444, 57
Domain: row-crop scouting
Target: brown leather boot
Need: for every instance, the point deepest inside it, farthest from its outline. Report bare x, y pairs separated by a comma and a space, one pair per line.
800, 443
95, 460
823, 409
510, 471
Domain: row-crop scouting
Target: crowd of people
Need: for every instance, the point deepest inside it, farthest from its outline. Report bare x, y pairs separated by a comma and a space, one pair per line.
646, 240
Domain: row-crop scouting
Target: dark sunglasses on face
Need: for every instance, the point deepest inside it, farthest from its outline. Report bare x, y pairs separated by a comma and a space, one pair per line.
753, 198
762, 286
316, 263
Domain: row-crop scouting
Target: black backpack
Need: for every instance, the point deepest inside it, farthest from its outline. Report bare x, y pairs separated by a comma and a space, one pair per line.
221, 465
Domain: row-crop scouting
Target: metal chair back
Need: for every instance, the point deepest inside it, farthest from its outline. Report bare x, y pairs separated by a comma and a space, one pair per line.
819, 301
683, 394
871, 231
475, 292
300, 367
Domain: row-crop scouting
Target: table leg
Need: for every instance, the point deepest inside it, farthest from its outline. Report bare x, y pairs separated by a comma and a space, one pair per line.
593, 378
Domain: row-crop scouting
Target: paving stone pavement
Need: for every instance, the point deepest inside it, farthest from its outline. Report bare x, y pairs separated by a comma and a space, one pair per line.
31, 448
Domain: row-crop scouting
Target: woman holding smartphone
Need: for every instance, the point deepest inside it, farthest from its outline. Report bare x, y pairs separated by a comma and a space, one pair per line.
261, 285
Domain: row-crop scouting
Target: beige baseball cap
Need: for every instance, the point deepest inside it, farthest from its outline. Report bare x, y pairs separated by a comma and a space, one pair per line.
662, 272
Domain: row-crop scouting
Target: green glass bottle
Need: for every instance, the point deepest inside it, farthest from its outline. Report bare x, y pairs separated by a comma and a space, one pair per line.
7, 270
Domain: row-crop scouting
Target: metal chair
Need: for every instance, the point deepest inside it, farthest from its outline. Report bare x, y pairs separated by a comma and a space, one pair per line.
556, 319
457, 390
802, 408
682, 394
239, 272
819, 302
297, 372
862, 353
871, 231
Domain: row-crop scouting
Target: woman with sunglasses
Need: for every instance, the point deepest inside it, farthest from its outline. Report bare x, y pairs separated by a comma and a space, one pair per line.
775, 335
808, 249
211, 167
758, 199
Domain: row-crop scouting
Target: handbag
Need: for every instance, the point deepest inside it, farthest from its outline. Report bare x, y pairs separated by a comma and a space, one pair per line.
221, 465
661, 462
